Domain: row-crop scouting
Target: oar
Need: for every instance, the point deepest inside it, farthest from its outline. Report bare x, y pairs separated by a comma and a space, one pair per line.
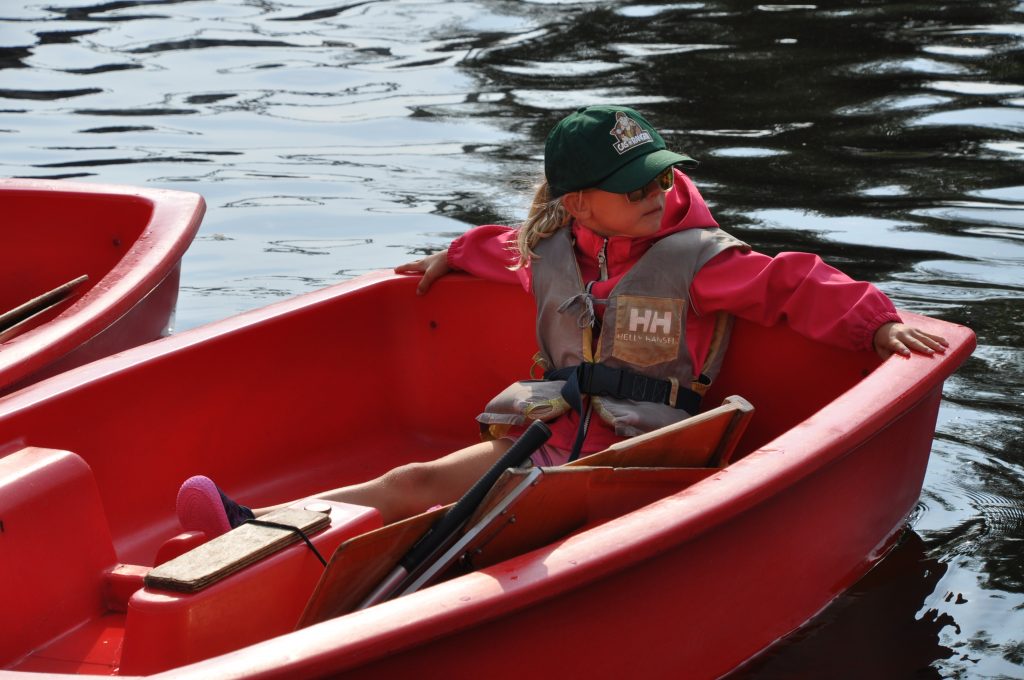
25, 311
445, 528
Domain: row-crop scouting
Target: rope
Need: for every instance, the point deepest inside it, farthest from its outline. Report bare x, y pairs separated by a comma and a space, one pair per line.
289, 527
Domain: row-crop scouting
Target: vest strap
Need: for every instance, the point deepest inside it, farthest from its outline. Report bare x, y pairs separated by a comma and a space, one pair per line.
621, 383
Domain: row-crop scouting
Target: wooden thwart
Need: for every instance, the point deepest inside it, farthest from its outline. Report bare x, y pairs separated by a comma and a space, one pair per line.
707, 439
559, 501
230, 552
530, 508
11, 320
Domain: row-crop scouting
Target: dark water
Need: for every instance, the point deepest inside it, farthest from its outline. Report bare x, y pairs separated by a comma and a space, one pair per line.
332, 138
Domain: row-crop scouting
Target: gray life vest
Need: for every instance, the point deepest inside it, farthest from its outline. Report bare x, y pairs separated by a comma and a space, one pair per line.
641, 346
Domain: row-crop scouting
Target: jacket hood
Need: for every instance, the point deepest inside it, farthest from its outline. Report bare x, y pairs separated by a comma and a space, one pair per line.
684, 209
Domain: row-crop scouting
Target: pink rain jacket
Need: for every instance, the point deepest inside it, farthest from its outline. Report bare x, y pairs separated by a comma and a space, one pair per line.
816, 300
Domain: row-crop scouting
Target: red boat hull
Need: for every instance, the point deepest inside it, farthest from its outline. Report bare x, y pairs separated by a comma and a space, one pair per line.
128, 241
342, 384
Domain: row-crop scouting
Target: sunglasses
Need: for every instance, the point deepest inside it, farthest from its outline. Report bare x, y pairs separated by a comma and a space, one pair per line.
664, 181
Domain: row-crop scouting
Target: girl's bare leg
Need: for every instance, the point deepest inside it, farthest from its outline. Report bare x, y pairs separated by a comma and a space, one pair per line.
411, 489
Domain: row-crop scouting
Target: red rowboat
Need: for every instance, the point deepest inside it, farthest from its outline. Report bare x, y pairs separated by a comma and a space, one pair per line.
88, 270
662, 565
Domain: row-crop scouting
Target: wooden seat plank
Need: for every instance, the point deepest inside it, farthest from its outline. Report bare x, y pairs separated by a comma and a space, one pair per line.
706, 439
566, 499
222, 556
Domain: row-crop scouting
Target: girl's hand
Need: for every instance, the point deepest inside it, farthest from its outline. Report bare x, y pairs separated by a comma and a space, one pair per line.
432, 267
899, 338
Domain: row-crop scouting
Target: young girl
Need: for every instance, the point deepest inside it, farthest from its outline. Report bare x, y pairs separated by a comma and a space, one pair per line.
636, 287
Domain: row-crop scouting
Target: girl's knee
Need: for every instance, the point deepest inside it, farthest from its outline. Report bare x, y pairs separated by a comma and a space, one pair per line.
414, 485
406, 477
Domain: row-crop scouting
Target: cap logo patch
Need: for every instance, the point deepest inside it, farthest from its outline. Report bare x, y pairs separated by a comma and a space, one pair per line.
628, 133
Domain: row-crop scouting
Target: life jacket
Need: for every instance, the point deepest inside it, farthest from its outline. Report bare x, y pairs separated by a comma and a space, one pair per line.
640, 376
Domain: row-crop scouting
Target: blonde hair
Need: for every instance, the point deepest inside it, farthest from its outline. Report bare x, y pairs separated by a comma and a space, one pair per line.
547, 215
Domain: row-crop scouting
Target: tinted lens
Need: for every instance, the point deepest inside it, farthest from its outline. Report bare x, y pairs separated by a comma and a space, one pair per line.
664, 181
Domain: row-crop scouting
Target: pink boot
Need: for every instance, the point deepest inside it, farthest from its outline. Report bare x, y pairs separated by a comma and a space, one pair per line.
203, 507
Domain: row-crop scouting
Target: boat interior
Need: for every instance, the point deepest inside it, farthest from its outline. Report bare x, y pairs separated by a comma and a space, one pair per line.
280, 403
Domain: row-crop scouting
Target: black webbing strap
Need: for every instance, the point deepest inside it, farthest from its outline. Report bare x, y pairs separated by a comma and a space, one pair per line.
293, 529
620, 383
581, 433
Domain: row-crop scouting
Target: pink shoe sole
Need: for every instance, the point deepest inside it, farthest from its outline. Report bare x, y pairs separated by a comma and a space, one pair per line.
200, 508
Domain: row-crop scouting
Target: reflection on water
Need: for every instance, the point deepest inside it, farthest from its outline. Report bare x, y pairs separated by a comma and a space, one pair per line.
877, 629
335, 138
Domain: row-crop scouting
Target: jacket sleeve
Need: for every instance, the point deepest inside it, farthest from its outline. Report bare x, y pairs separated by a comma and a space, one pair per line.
817, 300
488, 251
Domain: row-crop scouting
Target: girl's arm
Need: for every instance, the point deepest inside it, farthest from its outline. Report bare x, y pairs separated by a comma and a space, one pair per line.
817, 300
486, 251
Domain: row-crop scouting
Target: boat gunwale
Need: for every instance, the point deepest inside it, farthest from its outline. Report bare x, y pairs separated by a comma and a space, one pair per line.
173, 222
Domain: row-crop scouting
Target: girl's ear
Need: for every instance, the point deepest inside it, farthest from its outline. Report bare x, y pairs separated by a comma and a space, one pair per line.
577, 205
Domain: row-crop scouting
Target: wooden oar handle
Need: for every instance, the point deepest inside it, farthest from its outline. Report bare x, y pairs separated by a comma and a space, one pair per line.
27, 310
523, 448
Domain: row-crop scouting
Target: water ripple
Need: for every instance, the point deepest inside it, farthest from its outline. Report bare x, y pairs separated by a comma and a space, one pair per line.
328, 13
101, 68
314, 246
975, 87
206, 43
661, 49
128, 113
560, 69
48, 95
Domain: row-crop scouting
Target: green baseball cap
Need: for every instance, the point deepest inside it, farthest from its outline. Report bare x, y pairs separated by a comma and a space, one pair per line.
612, 148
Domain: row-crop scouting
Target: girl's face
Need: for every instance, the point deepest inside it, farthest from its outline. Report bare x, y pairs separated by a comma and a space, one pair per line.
611, 214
